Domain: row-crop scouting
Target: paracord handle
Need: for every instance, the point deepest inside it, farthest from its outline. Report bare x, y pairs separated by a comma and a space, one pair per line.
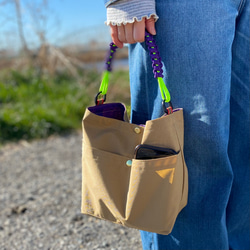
157, 70
105, 78
154, 54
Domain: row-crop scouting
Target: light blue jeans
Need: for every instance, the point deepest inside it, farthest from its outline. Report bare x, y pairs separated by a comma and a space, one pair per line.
204, 45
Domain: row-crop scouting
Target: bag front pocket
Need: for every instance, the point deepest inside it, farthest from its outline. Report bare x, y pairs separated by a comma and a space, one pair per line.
154, 195
145, 196
105, 180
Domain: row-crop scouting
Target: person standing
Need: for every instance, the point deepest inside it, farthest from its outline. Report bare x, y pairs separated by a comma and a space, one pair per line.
204, 46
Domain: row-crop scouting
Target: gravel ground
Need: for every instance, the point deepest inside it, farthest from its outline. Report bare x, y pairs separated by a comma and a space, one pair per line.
40, 200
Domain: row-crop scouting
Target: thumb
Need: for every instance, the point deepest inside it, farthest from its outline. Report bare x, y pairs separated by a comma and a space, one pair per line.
150, 26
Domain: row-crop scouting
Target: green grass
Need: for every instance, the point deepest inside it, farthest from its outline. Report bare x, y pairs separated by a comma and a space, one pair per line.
32, 106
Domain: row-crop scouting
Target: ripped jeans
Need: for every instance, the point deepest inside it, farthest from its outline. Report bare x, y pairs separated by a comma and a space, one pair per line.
204, 46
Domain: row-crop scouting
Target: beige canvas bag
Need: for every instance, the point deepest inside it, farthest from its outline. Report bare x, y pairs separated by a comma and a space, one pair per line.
145, 194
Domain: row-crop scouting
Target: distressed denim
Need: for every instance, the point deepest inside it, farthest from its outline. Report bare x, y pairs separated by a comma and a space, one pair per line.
204, 47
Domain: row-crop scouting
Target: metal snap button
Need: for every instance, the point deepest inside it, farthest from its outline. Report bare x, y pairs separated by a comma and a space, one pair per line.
137, 130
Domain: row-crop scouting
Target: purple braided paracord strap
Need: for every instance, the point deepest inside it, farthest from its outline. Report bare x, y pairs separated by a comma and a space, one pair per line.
154, 54
112, 50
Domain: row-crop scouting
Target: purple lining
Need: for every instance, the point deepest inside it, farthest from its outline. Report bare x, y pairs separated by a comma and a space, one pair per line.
174, 110
114, 111
109, 110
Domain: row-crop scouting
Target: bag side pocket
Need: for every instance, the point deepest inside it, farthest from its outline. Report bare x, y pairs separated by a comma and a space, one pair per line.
105, 180
155, 192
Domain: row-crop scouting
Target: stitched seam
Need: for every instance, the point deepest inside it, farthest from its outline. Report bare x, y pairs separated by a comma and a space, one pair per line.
241, 6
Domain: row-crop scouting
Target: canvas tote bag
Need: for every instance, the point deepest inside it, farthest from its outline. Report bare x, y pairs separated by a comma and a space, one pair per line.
143, 194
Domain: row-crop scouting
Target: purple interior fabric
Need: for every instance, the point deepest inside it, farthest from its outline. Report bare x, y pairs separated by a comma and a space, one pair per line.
113, 110
109, 110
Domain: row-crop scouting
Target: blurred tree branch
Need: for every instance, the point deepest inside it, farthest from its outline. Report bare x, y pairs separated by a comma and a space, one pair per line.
44, 57
20, 27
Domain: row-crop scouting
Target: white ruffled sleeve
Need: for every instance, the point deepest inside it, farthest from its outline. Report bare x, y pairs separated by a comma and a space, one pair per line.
127, 11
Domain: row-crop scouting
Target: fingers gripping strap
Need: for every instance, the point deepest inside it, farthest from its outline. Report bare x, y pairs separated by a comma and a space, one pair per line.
156, 64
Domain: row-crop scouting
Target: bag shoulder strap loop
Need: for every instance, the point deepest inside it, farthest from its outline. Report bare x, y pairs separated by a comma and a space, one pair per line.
157, 71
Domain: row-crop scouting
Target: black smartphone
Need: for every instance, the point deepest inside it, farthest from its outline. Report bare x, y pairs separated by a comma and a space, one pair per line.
145, 152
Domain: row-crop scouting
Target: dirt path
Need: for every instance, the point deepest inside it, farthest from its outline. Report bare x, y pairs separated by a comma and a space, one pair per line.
40, 195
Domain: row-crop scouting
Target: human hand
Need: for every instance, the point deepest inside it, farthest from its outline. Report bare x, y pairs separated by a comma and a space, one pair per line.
132, 32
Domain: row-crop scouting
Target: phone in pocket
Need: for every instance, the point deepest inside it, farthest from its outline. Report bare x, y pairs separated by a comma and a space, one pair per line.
144, 152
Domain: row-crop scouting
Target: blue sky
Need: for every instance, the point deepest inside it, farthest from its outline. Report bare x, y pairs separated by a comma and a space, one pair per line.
70, 21
77, 14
